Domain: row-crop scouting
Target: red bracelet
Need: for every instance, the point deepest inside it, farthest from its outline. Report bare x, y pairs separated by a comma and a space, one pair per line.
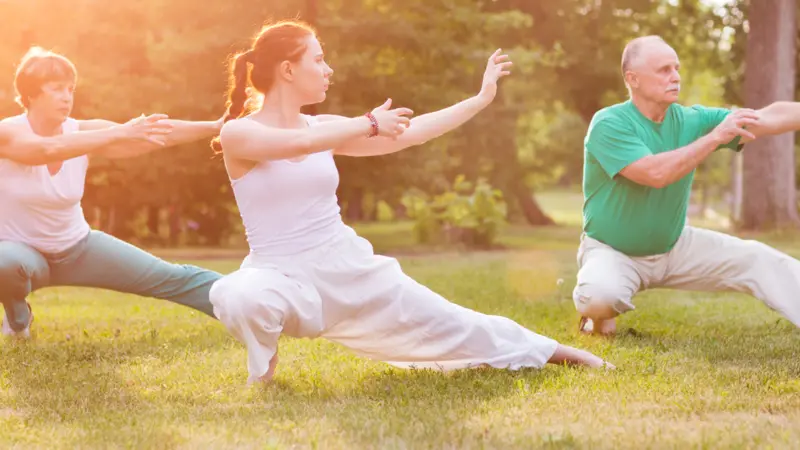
375, 128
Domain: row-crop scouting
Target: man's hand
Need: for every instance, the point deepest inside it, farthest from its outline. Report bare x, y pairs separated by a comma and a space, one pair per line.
734, 125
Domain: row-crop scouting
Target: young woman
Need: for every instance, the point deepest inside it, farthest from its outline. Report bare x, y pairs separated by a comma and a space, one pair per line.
308, 274
44, 237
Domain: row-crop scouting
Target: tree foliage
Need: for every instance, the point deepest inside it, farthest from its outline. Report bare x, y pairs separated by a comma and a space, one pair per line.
154, 56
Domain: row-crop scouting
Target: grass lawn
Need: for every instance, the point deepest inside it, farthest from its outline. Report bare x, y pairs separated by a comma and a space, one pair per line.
695, 371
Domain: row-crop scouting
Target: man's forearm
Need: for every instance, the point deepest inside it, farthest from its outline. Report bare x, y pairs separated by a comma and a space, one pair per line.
666, 168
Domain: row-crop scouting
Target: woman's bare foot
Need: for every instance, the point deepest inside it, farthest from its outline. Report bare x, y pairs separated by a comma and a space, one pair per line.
267, 377
606, 327
576, 357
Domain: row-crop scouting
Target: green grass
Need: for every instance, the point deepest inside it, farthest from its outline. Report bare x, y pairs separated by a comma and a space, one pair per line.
695, 371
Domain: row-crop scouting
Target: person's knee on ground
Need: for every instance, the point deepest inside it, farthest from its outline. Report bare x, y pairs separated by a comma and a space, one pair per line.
601, 302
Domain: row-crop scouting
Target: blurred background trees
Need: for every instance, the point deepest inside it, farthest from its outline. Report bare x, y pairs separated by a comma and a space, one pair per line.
156, 56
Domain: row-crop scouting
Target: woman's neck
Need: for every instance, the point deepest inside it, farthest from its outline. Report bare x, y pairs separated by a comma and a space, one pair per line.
281, 109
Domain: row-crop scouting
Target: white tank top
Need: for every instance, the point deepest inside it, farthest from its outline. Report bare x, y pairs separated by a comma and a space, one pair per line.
42, 210
289, 207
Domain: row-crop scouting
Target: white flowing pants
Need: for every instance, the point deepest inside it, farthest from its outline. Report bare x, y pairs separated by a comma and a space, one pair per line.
345, 293
702, 260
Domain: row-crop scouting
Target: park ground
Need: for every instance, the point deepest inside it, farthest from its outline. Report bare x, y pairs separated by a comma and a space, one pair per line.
695, 370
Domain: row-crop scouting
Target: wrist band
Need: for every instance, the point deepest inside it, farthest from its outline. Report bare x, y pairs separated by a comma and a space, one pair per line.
375, 128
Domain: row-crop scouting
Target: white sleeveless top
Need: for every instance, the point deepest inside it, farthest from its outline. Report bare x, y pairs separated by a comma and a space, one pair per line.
42, 210
289, 207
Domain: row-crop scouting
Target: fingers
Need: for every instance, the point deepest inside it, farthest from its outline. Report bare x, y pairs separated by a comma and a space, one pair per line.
743, 122
393, 123
494, 55
403, 112
737, 122
159, 131
159, 128
386, 105
732, 132
745, 113
155, 117
505, 66
745, 134
160, 141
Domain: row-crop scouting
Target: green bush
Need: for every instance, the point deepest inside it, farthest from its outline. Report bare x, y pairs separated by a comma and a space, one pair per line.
467, 214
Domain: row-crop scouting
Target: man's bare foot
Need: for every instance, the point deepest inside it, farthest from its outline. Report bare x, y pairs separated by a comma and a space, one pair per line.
606, 327
576, 357
267, 377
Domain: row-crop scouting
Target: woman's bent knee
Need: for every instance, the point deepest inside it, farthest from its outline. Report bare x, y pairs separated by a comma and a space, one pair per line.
267, 300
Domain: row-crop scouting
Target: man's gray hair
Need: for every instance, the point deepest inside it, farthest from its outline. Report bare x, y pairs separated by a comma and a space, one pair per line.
634, 48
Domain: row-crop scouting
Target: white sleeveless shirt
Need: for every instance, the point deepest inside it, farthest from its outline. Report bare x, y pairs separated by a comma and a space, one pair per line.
288, 207
42, 210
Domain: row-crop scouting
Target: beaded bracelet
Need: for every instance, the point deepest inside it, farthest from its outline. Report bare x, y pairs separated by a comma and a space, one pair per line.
375, 128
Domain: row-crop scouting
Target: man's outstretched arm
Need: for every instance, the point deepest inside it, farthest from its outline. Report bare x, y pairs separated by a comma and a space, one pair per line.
663, 169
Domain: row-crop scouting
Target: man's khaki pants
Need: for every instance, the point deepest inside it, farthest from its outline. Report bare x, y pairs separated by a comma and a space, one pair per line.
702, 260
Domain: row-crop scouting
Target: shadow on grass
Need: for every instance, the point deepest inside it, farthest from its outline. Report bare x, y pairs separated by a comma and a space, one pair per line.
77, 380
403, 406
770, 345
78, 385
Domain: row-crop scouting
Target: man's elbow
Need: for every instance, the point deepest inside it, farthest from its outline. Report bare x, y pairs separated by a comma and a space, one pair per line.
658, 179
652, 177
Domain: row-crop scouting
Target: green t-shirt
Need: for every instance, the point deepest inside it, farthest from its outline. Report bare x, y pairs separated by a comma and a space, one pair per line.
632, 218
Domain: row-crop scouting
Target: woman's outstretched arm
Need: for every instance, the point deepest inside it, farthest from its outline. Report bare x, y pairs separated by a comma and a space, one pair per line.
431, 125
183, 131
19, 144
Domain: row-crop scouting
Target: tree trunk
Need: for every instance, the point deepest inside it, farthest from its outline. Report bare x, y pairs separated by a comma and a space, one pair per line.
510, 174
355, 205
111, 220
121, 222
527, 203
736, 189
153, 223
769, 199
174, 225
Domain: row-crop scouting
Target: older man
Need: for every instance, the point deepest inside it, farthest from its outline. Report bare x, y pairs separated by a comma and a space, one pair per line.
640, 157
